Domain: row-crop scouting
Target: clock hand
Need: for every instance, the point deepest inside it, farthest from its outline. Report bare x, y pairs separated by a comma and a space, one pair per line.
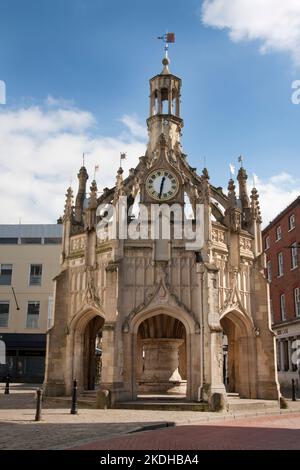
161, 186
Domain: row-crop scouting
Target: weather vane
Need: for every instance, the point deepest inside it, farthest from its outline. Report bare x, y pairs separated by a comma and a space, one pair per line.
241, 160
168, 38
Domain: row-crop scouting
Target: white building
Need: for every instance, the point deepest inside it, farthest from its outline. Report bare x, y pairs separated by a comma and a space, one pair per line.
29, 260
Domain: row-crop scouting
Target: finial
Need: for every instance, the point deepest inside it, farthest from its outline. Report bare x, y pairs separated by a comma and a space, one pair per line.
231, 186
205, 173
166, 63
68, 212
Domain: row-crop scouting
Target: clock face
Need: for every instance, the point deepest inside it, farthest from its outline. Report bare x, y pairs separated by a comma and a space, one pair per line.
162, 185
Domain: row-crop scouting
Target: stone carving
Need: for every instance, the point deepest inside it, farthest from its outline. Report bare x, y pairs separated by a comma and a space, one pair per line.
78, 243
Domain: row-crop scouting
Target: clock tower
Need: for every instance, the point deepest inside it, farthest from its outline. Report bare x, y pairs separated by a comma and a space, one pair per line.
143, 315
163, 182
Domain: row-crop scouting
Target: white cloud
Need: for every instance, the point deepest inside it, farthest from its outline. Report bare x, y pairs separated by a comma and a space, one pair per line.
135, 128
275, 23
276, 193
41, 151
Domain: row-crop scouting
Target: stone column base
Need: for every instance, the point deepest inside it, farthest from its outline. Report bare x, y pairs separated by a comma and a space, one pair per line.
163, 388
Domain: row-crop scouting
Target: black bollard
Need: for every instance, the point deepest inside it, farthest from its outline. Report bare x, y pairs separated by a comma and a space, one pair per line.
74, 408
38, 413
293, 390
6, 391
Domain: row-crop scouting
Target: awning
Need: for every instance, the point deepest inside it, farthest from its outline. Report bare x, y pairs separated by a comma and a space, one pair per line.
23, 340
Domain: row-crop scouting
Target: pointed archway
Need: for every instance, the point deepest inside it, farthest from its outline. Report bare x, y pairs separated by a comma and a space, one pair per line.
240, 353
161, 367
190, 368
86, 347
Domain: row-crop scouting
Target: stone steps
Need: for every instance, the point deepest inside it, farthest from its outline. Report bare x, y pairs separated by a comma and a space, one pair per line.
166, 403
162, 405
243, 404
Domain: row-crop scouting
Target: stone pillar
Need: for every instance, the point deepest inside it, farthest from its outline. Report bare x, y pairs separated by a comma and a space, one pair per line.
170, 110
160, 374
217, 385
108, 342
152, 104
178, 106
159, 102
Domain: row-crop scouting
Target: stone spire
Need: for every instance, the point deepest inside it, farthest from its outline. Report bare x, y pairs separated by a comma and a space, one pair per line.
69, 208
255, 207
82, 179
233, 214
255, 222
119, 191
68, 219
93, 196
243, 191
92, 207
232, 201
244, 197
205, 187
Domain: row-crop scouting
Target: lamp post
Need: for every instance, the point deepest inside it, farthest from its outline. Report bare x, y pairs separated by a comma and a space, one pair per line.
6, 390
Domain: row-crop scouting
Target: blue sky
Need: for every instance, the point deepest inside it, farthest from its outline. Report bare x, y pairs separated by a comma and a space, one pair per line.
93, 59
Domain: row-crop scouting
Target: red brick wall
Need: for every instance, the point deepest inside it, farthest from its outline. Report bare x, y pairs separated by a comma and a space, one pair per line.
291, 277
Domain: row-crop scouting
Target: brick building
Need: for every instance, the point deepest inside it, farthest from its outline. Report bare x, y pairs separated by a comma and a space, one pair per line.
281, 243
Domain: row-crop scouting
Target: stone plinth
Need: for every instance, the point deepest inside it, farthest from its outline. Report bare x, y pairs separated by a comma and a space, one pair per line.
160, 370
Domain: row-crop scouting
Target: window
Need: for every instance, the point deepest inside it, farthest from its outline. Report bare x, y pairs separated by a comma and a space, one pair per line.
280, 264
294, 253
33, 311
292, 222
282, 307
278, 233
267, 243
297, 301
269, 271
8, 241
35, 275
52, 241
31, 241
50, 312
4, 312
5, 274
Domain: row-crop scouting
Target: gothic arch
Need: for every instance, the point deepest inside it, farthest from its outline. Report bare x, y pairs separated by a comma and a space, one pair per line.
180, 314
239, 318
167, 301
76, 341
82, 318
241, 354
190, 330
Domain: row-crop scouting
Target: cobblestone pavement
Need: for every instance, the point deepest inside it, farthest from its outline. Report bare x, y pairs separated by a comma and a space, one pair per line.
256, 433
59, 429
